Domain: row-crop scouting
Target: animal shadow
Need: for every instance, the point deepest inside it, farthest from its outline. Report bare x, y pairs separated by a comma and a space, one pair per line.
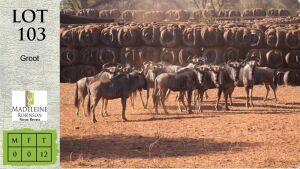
135, 146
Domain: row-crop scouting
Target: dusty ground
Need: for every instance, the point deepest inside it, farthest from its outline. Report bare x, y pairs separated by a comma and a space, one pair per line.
265, 136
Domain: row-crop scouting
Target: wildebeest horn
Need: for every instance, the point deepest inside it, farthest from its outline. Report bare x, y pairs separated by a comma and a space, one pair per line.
140, 71
242, 62
106, 70
190, 59
203, 59
119, 66
229, 61
105, 65
160, 66
147, 62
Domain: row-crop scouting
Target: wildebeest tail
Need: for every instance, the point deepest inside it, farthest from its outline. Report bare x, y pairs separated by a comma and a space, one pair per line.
155, 93
76, 101
88, 107
276, 79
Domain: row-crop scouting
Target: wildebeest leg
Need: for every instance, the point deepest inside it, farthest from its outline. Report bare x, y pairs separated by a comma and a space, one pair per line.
189, 99
156, 98
218, 100
178, 102
197, 105
200, 93
132, 99
168, 93
206, 95
181, 98
77, 111
82, 105
141, 96
94, 103
163, 98
251, 99
226, 93
123, 100
196, 97
102, 106
274, 91
197, 100
247, 97
81, 100
77, 106
76, 99
148, 91
230, 95
268, 89
105, 108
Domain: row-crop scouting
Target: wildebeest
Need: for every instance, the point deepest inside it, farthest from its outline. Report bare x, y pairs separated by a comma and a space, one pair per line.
81, 86
206, 82
268, 77
182, 81
152, 70
194, 62
120, 86
250, 75
224, 77
211, 77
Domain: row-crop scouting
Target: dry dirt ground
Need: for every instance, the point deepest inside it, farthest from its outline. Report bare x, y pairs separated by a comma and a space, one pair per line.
265, 136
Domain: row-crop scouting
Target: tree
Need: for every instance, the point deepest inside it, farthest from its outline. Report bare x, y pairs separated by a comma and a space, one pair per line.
218, 3
200, 3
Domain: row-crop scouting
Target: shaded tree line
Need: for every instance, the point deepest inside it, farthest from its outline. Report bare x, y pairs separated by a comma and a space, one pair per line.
216, 5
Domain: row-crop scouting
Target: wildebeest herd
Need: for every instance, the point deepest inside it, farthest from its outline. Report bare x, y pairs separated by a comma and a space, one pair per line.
191, 82
188, 58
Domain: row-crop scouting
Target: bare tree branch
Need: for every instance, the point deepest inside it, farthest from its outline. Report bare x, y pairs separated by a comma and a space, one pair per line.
220, 5
84, 3
212, 5
196, 3
204, 4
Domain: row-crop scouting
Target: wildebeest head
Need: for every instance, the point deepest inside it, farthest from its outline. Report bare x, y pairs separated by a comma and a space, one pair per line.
140, 80
216, 71
235, 67
113, 68
250, 69
195, 60
146, 66
153, 72
128, 68
201, 70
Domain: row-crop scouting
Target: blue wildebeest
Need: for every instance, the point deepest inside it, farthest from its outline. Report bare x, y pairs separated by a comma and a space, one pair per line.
81, 87
152, 70
224, 77
250, 75
206, 82
120, 86
194, 62
183, 81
